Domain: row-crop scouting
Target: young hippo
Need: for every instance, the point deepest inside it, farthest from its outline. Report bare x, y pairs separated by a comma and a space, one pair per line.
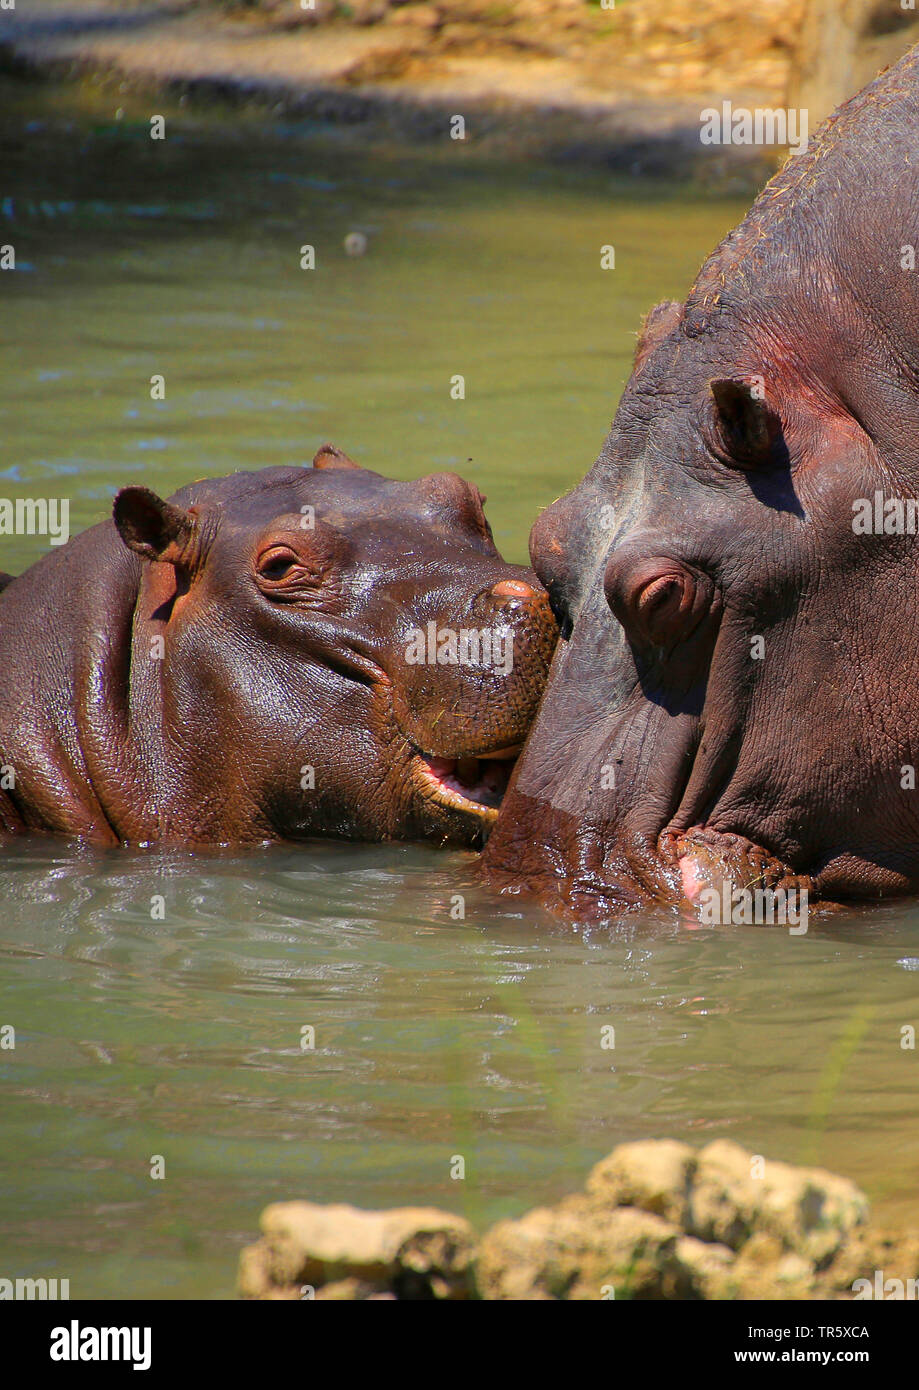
271, 656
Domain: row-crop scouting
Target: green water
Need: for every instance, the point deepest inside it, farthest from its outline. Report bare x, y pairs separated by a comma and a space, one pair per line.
434, 1037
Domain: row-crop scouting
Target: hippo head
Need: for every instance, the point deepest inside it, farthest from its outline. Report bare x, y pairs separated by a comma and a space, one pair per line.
327, 651
731, 700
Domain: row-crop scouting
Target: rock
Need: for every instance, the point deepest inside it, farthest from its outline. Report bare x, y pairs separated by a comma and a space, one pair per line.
574, 1251
419, 17
711, 1267
657, 1220
791, 1269
320, 12
368, 11
654, 1175
895, 1255
254, 1277
350, 1291
809, 1210
413, 1252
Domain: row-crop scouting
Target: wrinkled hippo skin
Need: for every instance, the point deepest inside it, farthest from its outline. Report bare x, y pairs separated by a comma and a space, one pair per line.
736, 698
231, 666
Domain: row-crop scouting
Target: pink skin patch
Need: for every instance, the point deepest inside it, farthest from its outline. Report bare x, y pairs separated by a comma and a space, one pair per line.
690, 877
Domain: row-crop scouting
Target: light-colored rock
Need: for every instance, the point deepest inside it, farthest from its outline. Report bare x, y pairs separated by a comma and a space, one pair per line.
368, 11
254, 1277
577, 1251
711, 1267
808, 1210
414, 1251
658, 1220
654, 1175
351, 1291
418, 17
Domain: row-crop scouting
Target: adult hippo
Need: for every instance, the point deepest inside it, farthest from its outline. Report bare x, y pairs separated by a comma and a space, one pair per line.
736, 698
269, 656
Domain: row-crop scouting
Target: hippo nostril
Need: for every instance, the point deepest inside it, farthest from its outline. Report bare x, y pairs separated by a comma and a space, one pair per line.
513, 588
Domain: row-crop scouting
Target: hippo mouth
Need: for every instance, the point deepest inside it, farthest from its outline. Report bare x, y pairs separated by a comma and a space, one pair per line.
471, 783
705, 858
595, 868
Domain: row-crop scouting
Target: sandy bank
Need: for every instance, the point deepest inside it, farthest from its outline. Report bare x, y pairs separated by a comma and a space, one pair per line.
563, 80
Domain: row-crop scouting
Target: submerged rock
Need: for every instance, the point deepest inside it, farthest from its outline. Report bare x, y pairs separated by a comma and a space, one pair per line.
657, 1220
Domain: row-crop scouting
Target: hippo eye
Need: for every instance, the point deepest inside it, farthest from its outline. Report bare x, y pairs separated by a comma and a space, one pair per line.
278, 563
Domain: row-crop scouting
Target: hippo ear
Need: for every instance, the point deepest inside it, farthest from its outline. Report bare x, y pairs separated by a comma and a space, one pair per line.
153, 528
747, 424
330, 457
